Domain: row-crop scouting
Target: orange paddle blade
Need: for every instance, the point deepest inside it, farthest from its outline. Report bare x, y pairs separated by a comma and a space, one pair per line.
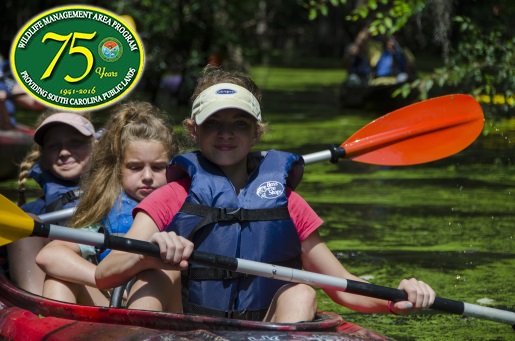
14, 223
429, 130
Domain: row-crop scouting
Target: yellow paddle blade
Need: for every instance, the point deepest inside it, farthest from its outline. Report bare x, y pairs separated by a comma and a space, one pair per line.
14, 223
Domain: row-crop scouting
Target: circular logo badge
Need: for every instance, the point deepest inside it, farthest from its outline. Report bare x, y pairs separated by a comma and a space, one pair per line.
270, 190
77, 57
110, 49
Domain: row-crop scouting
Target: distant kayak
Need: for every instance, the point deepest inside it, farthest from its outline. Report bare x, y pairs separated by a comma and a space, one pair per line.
384, 67
375, 94
14, 144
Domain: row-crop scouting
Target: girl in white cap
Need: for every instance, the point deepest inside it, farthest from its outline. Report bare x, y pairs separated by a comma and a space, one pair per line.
61, 154
226, 200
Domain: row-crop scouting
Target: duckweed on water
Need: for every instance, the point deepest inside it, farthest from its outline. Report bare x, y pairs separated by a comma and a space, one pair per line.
449, 222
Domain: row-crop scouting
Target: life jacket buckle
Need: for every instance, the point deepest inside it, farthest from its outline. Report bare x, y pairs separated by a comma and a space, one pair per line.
72, 195
225, 215
227, 274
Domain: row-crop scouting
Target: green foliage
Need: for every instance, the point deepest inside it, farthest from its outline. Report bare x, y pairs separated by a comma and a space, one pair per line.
481, 63
179, 36
385, 16
315, 7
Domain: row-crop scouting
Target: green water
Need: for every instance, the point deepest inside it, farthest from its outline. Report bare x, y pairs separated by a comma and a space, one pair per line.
448, 222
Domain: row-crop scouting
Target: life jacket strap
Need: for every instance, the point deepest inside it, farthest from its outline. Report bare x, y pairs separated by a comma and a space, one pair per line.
221, 214
218, 214
67, 197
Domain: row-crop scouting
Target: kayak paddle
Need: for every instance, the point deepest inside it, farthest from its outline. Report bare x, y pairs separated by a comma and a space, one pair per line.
55, 216
16, 224
418, 133
422, 132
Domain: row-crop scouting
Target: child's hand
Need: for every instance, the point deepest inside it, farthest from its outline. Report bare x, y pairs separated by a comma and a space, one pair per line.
174, 249
420, 296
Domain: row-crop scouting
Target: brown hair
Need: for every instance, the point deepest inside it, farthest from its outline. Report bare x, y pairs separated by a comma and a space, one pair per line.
131, 121
212, 75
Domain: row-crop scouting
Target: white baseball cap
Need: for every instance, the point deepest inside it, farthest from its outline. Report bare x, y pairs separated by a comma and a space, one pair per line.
224, 96
81, 124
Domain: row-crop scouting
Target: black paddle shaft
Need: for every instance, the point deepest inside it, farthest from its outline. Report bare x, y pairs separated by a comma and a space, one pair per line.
231, 263
262, 269
391, 294
149, 249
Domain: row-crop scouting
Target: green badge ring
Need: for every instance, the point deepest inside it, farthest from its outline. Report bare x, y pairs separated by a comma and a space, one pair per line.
77, 57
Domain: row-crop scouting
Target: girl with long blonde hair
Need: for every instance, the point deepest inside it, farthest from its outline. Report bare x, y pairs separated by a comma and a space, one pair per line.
129, 163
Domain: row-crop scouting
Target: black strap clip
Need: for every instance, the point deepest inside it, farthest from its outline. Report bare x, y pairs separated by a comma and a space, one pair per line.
225, 215
72, 195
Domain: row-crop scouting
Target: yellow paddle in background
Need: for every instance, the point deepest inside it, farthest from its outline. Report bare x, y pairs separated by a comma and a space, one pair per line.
13, 224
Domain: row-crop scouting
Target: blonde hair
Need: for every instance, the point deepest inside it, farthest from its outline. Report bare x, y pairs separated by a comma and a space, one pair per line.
212, 75
34, 155
102, 184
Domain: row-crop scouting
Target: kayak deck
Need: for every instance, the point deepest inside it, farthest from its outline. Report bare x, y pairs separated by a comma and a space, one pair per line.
22, 313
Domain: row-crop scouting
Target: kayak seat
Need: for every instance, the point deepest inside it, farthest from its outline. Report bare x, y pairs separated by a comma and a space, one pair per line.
117, 297
116, 300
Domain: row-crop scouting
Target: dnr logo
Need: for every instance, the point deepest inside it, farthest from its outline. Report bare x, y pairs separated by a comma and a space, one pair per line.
270, 190
110, 49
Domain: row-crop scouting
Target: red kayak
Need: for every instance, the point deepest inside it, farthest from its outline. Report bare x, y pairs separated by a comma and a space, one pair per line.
14, 144
31, 317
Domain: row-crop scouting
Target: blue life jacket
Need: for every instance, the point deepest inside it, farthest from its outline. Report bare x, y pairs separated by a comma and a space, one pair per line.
58, 194
254, 225
119, 219
390, 64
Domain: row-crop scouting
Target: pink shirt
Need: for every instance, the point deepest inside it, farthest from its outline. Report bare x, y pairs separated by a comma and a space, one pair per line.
165, 202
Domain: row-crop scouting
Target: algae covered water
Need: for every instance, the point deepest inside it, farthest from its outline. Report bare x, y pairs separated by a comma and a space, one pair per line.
449, 222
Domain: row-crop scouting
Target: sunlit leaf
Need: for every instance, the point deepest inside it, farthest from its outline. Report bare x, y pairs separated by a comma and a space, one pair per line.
388, 22
429, 84
312, 14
